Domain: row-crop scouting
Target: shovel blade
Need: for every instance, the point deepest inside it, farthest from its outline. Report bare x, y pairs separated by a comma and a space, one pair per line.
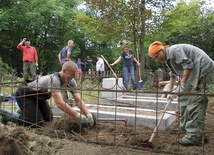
147, 144
140, 83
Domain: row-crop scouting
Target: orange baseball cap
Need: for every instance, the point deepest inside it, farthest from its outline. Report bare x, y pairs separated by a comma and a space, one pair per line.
155, 47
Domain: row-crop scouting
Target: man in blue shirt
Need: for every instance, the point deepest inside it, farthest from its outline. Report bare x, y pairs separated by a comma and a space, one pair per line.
65, 53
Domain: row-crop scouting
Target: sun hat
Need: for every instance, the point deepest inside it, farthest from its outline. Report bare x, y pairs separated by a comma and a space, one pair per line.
155, 47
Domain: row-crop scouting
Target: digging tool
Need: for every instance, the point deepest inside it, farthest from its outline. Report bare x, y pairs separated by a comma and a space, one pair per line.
115, 75
140, 82
148, 143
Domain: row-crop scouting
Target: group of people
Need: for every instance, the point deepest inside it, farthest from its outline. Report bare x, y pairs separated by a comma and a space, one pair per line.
33, 95
190, 67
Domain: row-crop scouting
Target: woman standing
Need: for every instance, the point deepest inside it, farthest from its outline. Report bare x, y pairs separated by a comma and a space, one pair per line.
128, 67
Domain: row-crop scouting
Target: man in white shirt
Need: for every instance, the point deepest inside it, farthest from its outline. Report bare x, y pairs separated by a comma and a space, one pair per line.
100, 67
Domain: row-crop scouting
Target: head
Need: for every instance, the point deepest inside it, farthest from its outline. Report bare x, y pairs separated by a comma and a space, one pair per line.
69, 71
27, 42
78, 59
156, 51
126, 47
98, 57
70, 43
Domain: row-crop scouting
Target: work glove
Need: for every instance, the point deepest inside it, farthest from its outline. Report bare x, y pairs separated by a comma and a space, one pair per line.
90, 119
170, 96
182, 87
81, 119
37, 66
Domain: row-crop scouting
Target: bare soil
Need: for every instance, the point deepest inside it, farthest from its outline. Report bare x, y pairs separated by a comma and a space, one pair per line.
65, 136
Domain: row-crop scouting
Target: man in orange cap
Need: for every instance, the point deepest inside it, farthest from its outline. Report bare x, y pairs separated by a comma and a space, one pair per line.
195, 71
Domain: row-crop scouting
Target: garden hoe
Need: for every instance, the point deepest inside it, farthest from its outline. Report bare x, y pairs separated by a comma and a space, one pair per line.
148, 143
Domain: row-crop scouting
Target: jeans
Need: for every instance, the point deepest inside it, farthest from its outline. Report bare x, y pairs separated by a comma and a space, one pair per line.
33, 110
126, 72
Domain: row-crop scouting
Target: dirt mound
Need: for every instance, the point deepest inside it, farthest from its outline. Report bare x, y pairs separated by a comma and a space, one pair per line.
13, 139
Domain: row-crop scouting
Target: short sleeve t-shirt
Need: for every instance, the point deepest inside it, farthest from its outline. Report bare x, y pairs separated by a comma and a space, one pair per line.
64, 52
52, 83
127, 58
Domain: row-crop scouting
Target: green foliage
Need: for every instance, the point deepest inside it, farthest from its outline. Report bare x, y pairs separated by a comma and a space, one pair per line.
187, 23
5, 69
100, 28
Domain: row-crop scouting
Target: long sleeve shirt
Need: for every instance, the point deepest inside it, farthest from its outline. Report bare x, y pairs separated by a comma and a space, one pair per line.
29, 53
184, 56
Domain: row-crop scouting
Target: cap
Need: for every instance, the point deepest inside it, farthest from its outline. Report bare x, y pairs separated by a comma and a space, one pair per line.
155, 47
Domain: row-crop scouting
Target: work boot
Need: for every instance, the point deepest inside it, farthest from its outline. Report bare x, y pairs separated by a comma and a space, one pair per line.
7, 116
188, 142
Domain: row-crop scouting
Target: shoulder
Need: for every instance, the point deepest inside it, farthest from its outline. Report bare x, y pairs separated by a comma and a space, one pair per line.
68, 48
72, 83
122, 53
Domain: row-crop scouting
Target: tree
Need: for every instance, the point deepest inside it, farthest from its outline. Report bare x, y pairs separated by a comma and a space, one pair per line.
128, 20
48, 24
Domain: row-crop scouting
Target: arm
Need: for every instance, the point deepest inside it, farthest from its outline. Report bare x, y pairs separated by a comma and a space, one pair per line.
116, 61
164, 82
57, 96
172, 83
68, 55
36, 56
80, 103
135, 60
19, 46
185, 77
59, 57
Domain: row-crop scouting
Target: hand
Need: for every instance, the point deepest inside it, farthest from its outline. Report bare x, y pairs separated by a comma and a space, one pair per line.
81, 119
111, 65
24, 39
182, 87
138, 64
37, 66
90, 119
170, 96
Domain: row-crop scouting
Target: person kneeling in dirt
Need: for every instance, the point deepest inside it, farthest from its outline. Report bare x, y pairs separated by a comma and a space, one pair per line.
32, 99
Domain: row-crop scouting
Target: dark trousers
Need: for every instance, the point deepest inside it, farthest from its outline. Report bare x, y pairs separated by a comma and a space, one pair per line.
33, 109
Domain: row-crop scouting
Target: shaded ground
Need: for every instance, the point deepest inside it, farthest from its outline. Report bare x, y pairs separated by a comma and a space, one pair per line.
64, 136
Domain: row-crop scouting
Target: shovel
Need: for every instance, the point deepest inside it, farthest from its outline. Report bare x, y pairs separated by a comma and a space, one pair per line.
148, 143
140, 82
115, 75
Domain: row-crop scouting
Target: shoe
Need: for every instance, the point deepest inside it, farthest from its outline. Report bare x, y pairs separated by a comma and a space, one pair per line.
134, 90
5, 116
188, 142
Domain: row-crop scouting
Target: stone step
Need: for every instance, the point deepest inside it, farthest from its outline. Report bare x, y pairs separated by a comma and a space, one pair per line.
140, 101
134, 116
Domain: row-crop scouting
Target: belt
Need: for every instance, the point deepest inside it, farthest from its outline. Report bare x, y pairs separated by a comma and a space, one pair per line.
27, 61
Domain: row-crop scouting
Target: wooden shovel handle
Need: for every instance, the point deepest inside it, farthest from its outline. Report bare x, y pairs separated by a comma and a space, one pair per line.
138, 59
159, 122
115, 75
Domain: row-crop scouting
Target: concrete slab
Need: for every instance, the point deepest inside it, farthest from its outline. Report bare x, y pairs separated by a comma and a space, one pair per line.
135, 116
112, 84
140, 101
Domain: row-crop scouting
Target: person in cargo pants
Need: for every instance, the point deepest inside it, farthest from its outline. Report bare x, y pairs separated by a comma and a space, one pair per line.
30, 59
195, 71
